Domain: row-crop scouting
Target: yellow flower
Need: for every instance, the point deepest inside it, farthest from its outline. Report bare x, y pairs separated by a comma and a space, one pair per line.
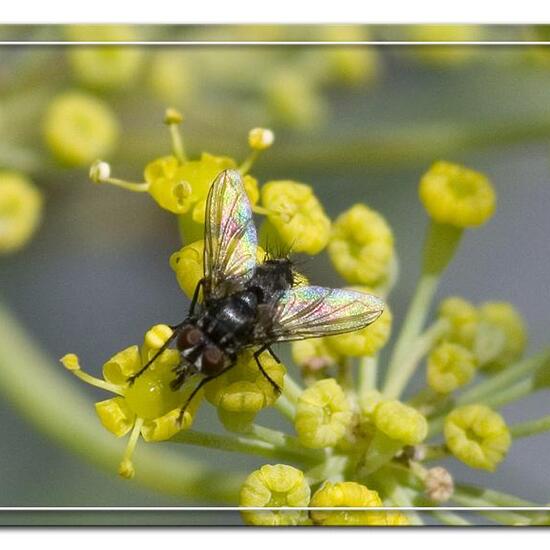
276, 485
104, 67
462, 317
367, 341
361, 246
79, 128
177, 186
293, 100
297, 215
244, 388
323, 415
400, 422
455, 195
477, 436
187, 263
149, 406
502, 335
313, 355
171, 77
450, 366
20, 210
346, 493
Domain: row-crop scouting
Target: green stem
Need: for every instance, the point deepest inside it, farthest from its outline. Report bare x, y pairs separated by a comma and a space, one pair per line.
45, 394
531, 427
368, 372
400, 497
247, 445
397, 377
450, 518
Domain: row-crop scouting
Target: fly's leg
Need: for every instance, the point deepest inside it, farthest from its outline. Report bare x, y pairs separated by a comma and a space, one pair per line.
257, 354
198, 387
195, 298
134, 377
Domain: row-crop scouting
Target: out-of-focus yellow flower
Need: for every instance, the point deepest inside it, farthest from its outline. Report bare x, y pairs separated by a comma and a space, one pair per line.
244, 388
361, 246
171, 77
477, 436
447, 55
177, 186
276, 485
293, 99
187, 263
79, 128
455, 195
297, 215
20, 210
313, 355
104, 67
501, 323
323, 414
400, 422
367, 341
450, 366
149, 406
346, 493
462, 317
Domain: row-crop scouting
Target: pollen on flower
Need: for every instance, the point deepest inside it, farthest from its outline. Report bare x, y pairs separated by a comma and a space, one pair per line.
366, 342
79, 128
70, 361
477, 436
361, 247
450, 366
20, 210
172, 116
400, 422
297, 215
276, 485
323, 414
100, 171
456, 195
346, 493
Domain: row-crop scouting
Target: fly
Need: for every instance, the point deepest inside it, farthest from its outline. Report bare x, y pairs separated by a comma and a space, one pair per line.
246, 304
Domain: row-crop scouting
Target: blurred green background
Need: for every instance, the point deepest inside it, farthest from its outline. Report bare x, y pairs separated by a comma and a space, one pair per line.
359, 123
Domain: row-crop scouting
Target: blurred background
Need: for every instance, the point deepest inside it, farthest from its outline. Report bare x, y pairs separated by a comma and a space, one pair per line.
358, 123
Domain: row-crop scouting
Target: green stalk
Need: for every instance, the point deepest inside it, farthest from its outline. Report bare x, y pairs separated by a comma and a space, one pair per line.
450, 518
368, 372
531, 427
47, 396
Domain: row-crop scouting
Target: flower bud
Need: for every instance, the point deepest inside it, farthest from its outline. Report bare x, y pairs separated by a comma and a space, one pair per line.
439, 484
462, 317
400, 422
450, 366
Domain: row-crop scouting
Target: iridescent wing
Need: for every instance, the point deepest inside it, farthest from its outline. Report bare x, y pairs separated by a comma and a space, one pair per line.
314, 311
230, 240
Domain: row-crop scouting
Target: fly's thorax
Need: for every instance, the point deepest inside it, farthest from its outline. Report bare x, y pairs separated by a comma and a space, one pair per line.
271, 277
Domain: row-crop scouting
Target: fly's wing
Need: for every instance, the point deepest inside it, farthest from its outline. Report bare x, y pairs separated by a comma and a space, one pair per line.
314, 311
230, 240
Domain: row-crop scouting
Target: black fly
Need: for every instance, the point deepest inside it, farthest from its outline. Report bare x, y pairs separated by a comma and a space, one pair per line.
246, 304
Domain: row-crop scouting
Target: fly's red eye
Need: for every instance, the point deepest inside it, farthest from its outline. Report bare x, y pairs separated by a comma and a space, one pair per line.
212, 360
189, 338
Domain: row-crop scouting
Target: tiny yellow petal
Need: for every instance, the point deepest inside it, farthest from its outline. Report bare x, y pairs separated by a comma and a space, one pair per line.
115, 415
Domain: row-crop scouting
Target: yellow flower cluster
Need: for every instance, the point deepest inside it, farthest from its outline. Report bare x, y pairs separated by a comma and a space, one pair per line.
361, 247
20, 210
477, 436
148, 406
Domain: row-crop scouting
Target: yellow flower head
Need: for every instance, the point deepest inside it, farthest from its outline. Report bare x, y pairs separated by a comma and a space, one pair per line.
79, 128
477, 436
244, 388
502, 335
346, 493
20, 210
462, 317
297, 215
450, 366
178, 186
104, 67
367, 341
313, 355
323, 415
274, 486
149, 406
361, 246
457, 196
400, 422
188, 265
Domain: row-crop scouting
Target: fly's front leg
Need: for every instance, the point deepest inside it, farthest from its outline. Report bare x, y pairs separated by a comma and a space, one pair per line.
257, 354
195, 299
